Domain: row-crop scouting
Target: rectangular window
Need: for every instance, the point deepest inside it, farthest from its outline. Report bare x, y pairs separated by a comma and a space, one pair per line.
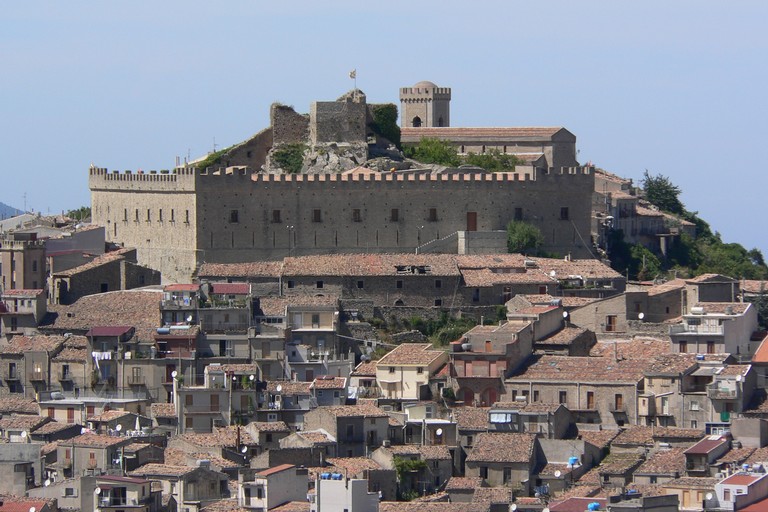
234, 216
160, 215
438, 283
149, 215
564, 213
420, 370
433, 215
399, 284
360, 285
518, 214
291, 284
391, 369
319, 284
483, 471
694, 405
136, 217
125, 214
507, 475
710, 347
276, 217
187, 217
438, 302
394, 215
683, 347
173, 215
563, 397
316, 215
356, 216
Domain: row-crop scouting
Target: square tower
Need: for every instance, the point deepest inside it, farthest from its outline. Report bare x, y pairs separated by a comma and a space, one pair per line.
425, 105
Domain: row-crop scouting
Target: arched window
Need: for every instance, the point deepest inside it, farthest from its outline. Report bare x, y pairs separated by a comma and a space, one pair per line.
417, 122
440, 122
399, 302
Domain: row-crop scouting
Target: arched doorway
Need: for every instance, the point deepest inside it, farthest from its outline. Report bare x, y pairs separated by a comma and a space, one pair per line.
467, 396
416, 123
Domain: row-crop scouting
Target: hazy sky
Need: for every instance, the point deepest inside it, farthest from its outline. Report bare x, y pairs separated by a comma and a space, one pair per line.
675, 87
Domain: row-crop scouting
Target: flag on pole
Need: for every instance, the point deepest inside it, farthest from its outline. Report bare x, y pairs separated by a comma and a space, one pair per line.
353, 74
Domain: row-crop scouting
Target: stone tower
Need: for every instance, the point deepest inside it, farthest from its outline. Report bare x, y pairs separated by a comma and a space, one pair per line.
425, 105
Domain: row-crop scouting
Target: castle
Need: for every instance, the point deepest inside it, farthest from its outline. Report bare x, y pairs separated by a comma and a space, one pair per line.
236, 212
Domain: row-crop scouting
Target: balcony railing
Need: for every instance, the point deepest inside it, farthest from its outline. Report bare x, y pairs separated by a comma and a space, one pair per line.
38, 375
717, 392
696, 329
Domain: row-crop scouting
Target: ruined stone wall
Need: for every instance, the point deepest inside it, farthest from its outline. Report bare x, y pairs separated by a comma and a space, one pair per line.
288, 126
337, 121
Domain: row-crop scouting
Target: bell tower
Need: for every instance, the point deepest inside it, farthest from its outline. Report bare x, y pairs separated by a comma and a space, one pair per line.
425, 105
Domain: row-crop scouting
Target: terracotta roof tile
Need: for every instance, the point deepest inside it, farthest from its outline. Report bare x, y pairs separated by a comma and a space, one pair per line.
563, 337
735, 456
18, 404
722, 308
292, 506
359, 265
222, 437
410, 354
53, 427
754, 286
599, 438
38, 343
289, 388
367, 411
410, 506
245, 270
458, 483
162, 410
472, 418
153, 469
23, 421
269, 426
642, 435
667, 462
502, 447
365, 369
691, 483
97, 262
493, 495
354, 466
98, 440
329, 382
138, 308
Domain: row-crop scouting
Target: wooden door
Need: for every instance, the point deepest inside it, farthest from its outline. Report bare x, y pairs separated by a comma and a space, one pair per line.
471, 221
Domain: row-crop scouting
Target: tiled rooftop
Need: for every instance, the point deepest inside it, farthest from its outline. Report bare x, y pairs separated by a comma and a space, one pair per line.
563, 337
410, 506
222, 437
107, 416
502, 447
599, 438
492, 495
53, 427
97, 440
22, 422
722, 308
365, 369
410, 354
329, 382
472, 418
245, 270
97, 262
163, 410
138, 308
642, 435
354, 466
38, 343
459, 483
18, 404
666, 462
360, 265
152, 469
367, 411
289, 388
269, 426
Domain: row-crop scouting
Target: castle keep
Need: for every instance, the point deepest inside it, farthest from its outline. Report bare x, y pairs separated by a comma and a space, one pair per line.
237, 213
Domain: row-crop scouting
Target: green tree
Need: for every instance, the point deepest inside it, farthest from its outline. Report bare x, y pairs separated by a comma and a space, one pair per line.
385, 122
82, 213
290, 157
523, 238
434, 151
493, 160
645, 265
660, 191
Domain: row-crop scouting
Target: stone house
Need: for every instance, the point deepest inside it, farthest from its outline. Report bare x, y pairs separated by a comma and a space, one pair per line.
22, 467
484, 356
362, 380
380, 480
569, 341
470, 422
691, 491
548, 421
21, 311
701, 456
425, 425
317, 440
286, 401
404, 372
108, 422
355, 428
661, 467
91, 453
336, 491
229, 443
305, 362
268, 435
187, 487
165, 421
269, 488
55, 431
504, 459
107, 492
716, 328
22, 262
328, 390
436, 469
68, 367
25, 364
117, 270
14, 428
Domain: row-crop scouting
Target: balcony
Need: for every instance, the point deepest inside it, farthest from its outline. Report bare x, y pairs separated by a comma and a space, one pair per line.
38, 375
202, 409
696, 329
12, 376
136, 380
721, 392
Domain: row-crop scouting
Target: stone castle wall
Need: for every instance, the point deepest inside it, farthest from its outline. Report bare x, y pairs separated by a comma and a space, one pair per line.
237, 216
289, 127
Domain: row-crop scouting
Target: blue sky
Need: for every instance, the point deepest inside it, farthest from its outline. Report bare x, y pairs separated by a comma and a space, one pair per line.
673, 87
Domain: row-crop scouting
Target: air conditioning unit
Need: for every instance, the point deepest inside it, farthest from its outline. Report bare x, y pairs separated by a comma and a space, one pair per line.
386, 443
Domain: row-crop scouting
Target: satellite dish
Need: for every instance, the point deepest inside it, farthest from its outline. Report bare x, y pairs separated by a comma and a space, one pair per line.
641, 316
557, 474
709, 496
552, 274
513, 507
23, 434
32, 509
738, 379
189, 318
119, 427
83, 430
439, 431
174, 373
545, 509
97, 491
537, 495
279, 388
47, 482
244, 449
251, 378
565, 314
